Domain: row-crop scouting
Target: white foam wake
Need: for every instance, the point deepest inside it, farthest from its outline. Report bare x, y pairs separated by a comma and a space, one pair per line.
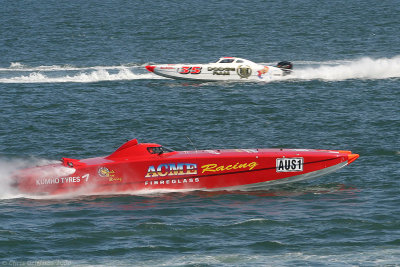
8, 167
364, 68
19, 67
334, 70
66, 76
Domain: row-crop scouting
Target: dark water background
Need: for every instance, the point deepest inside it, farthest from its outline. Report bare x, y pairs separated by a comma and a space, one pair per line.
73, 84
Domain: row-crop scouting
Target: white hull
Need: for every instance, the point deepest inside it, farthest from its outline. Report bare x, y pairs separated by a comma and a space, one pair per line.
226, 69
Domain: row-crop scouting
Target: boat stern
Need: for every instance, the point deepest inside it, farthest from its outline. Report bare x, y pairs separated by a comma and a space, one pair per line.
150, 68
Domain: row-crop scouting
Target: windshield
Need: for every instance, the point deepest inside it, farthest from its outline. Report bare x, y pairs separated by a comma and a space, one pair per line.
159, 150
227, 60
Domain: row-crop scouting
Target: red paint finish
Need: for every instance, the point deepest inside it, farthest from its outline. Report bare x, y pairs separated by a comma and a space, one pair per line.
145, 166
150, 68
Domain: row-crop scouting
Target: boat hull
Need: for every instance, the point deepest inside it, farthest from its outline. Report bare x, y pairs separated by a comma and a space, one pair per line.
237, 70
186, 170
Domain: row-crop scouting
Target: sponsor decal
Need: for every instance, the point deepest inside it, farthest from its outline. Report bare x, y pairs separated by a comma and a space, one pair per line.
191, 70
110, 174
172, 181
262, 72
104, 172
167, 68
171, 169
219, 168
244, 71
62, 180
221, 70
289, 164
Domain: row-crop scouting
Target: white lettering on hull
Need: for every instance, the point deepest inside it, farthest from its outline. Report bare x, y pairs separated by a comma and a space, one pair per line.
62, 180
172, 181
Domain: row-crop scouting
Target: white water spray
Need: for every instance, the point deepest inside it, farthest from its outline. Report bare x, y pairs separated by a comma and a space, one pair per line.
8, 167
339, 70
19, 73
364, 68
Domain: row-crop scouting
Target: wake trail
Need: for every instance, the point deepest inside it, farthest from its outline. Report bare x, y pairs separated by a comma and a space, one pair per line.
364, 68
8, 167
339, 70
18, 73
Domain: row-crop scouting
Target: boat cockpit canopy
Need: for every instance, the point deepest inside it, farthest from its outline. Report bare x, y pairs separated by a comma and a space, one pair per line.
159, 150
226, 60
230, 60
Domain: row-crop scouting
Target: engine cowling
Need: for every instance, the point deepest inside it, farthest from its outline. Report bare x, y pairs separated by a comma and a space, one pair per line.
286, 66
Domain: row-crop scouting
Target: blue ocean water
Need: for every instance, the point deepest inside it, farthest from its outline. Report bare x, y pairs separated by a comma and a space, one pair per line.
73, 84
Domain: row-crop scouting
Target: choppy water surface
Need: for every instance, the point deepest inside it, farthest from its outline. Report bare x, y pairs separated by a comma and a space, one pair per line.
73, 84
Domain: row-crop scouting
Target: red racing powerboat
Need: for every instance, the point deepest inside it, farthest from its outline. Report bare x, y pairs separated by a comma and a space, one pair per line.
144, 166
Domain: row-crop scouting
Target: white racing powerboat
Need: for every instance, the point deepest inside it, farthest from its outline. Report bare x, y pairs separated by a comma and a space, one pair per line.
225, 69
